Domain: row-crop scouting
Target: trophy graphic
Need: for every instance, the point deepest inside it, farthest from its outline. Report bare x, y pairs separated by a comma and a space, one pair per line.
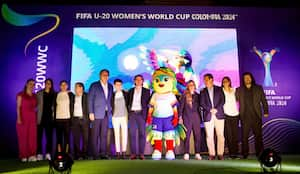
266, 57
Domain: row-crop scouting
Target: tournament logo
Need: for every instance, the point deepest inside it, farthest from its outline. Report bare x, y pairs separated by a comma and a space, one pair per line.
18, 19
266, 58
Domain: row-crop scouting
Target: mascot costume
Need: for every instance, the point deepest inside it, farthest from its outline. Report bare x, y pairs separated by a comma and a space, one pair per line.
162, 119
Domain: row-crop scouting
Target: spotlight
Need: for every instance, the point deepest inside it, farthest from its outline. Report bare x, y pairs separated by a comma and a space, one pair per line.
270, 161
62, 162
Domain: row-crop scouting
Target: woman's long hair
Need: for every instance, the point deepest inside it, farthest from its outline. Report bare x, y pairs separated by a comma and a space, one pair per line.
188, 93
52, 87
229, 80
253, 82
27, 81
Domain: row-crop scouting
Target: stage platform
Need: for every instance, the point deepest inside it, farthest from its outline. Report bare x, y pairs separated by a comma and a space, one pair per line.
290, 163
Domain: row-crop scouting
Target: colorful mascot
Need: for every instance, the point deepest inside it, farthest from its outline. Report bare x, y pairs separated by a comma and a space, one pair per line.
179, 61
162, 119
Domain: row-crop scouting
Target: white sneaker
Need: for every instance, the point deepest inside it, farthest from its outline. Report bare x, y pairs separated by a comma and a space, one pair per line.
39, 157
198, 156
170, 155
32, 159
156, 155
24, 160
186, 156
48, 157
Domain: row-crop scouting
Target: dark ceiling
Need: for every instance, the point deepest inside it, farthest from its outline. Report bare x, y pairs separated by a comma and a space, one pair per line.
244, 3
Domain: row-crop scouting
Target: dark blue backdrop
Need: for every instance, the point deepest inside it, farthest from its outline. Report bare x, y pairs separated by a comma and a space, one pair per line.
264, 28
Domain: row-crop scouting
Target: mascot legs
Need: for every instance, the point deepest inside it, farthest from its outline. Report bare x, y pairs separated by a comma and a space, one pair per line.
156, 155
170, 155
170, 144
163, 130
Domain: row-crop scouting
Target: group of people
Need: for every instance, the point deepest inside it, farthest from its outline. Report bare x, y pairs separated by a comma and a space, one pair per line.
222, 108
87, 115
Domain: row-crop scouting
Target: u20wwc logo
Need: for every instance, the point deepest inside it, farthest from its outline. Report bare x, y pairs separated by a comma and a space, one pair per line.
18, 19
22, 20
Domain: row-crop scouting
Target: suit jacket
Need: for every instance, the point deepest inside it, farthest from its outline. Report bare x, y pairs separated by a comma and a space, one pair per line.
71, 99
40, 105
144, 100
219, 100
97, 100
185, 109
84, 105
125, 94
259, 100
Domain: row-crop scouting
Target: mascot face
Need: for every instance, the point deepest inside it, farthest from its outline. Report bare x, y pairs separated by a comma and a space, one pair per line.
163, 84
164, 80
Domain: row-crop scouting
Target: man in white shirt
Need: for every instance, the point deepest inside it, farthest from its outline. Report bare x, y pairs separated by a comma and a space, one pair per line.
100, 110
138, 99
212, 100
80, 121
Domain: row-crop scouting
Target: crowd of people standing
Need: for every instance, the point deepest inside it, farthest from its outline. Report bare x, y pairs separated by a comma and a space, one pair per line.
86, 116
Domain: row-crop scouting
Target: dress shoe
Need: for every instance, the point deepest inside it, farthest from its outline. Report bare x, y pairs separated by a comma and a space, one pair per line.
211, 157
123, 155
39, 157
142, 157
118, 155
23, 160
198, 156
104, 157
220, 157
186, 156
32, 159
132, 156
48, 157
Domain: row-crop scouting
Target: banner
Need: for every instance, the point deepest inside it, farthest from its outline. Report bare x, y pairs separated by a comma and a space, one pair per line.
74, 43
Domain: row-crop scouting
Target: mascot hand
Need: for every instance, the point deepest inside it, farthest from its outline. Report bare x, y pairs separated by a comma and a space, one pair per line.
149, 120
175, 121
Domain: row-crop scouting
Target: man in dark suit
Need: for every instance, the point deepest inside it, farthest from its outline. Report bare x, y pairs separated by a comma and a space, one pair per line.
138, 100
100, 94
80, 121
212, 100
252, 101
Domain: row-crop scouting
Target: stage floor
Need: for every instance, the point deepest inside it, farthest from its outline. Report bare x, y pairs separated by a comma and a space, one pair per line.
290, 163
